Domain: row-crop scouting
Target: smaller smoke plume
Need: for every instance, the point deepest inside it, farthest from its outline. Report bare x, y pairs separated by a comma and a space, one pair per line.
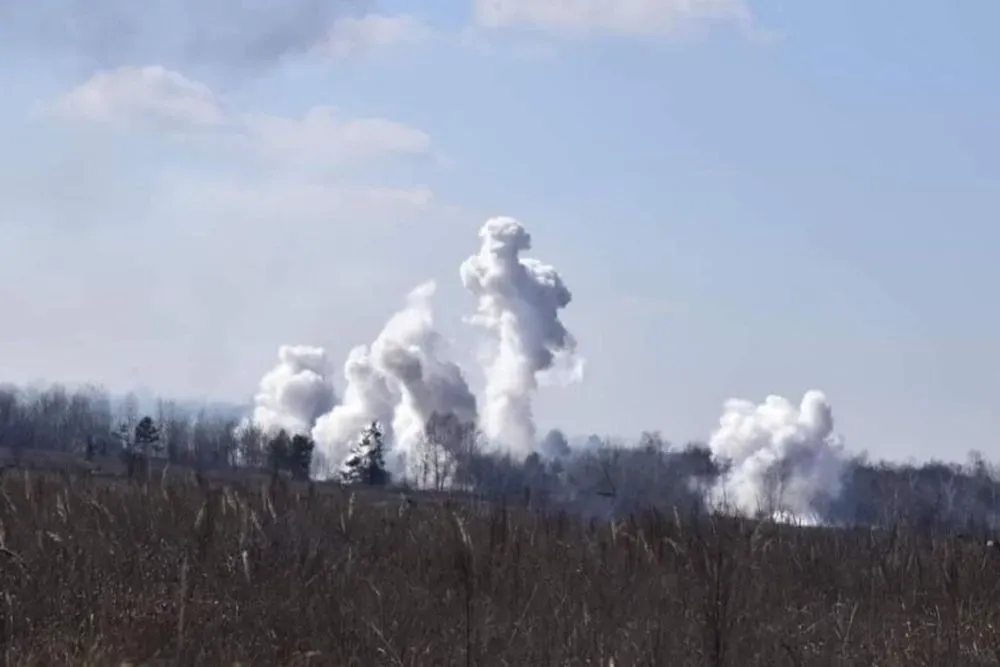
399, 381
295, 392
784, 460
519, 300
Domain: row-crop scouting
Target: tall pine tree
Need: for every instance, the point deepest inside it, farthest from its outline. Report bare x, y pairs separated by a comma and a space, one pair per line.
366, 462
147, 437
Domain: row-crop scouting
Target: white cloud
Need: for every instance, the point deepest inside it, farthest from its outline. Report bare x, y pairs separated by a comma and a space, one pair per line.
322, 136
155, 98
353, 36
643, 18
144, 96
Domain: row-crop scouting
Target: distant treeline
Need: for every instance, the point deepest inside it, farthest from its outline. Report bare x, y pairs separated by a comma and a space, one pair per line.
599, 479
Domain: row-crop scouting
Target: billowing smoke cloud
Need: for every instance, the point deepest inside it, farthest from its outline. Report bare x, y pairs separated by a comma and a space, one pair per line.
784, 460
233, 35
295, 392
519, 300
368, 397
400, 380
408, 353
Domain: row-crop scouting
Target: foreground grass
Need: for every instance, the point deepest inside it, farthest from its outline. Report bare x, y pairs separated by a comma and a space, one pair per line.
177, 573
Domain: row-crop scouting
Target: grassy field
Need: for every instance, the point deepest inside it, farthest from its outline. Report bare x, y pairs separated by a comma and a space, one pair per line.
102, 572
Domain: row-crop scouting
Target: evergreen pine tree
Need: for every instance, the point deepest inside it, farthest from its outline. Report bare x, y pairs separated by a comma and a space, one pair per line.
366, 462
147, 436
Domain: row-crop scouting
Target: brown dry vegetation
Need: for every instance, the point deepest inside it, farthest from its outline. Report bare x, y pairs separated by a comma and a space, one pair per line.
98, 573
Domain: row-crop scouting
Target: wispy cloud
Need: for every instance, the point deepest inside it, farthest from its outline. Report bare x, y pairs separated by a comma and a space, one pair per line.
322, 136
631, 18
143, 97
157, 99
355, 36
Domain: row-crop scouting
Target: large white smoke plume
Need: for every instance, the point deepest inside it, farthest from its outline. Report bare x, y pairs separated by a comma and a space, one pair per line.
402, 378
519, 300
399, 380
786, 460
296, 392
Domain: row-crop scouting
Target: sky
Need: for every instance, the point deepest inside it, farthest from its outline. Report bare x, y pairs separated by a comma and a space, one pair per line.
745, 197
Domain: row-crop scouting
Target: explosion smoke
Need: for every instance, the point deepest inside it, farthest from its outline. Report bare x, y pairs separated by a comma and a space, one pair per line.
296, 392
400, 380
519, 300
785, 461
367, 398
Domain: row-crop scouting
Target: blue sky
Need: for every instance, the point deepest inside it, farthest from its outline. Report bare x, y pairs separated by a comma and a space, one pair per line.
774, 197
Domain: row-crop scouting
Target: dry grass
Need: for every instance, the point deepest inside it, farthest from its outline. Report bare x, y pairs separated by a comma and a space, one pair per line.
100, 574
